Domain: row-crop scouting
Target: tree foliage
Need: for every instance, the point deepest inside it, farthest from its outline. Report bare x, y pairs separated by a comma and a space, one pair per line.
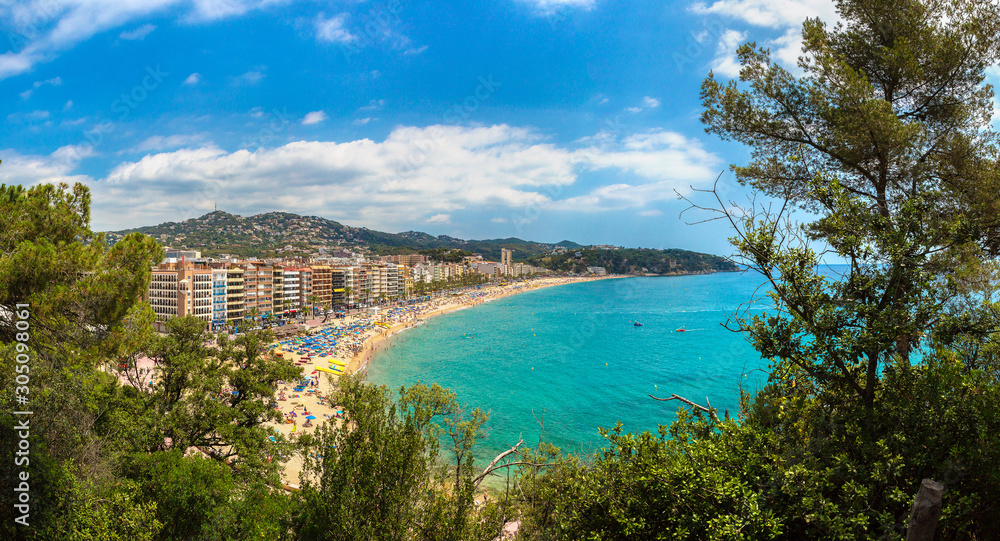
878, 152
885, 140
634, 261
377, 475
116, 461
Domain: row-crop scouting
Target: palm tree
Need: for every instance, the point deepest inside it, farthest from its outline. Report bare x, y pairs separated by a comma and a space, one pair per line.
327, 307
313, 300
347, 296
252, 313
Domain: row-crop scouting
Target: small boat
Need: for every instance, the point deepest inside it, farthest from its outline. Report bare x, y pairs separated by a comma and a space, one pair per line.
637, 324
682, 329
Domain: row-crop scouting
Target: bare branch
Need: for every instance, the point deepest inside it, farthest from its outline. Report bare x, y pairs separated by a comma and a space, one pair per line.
493, 463
709, 410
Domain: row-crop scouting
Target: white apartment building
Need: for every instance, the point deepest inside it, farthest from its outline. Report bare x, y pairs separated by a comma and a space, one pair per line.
218, 297
291, 289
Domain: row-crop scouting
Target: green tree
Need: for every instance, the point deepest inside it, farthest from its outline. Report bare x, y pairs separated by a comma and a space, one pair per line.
313, 300
216, 399
86, 510
378, 476
885, 139
348, 296
79, 293
881, 376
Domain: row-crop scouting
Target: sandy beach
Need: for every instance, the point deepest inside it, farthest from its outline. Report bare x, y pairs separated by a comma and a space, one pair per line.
349, 344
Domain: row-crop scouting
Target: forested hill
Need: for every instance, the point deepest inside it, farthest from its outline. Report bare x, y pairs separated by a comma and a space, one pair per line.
635, 261
282, 233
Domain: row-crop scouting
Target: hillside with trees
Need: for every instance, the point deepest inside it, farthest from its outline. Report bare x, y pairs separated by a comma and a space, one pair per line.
635, 261
282, 233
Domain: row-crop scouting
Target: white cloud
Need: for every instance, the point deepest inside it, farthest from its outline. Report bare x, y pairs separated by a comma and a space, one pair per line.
788, 48
333, 30
193, 79
499, 220
652, 212
785, 15
663, 162
210, 10
439, 219
647, 103
314, 117
771, 13
374, 105
138, 33
362, 121
71, 154
432, 171
725, 62
250, 78
29, 116
160, 142
30, 170
415, 51
548, 7
55, 81
68, 106
42, 29
72, 123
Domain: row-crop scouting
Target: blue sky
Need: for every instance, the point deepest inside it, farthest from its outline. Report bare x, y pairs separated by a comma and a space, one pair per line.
541, 119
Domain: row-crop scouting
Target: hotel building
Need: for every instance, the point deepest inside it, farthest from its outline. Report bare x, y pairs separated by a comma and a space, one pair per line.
227, 293
178, 289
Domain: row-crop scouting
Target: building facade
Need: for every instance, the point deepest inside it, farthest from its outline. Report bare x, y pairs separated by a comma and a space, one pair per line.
230, 292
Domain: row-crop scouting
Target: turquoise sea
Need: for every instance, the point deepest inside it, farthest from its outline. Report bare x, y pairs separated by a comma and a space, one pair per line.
573, 352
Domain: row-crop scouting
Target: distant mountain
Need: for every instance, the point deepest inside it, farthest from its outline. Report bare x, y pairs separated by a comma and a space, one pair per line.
284, 234
634, 261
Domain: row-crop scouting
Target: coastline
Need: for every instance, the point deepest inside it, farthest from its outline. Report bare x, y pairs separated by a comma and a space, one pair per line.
294, 404
360, 360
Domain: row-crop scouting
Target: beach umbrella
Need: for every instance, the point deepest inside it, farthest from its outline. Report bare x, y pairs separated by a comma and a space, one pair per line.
310, 416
